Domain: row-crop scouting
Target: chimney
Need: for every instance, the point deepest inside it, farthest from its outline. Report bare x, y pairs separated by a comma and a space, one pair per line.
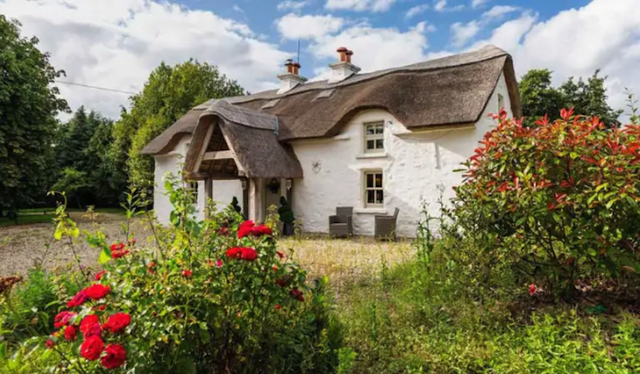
342, 69
291, 78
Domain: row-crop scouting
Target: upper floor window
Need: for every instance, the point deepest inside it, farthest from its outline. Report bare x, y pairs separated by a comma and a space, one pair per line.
374, 137
500, 102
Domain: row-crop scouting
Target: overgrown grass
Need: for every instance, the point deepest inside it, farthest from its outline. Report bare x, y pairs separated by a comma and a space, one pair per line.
417, 318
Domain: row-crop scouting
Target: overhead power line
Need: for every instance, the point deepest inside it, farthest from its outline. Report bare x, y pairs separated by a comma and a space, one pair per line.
96, 87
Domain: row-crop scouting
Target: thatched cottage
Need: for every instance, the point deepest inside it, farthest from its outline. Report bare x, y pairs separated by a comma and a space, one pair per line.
375, 141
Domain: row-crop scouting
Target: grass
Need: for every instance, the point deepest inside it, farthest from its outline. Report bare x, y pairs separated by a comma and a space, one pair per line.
26, 219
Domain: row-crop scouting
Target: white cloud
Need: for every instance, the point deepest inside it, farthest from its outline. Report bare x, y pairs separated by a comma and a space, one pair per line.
117, 43
478, 3
498, 12
293, 5
441, 6
461, 33
600, 35
374, 48
294, 26
360, 5
416, 10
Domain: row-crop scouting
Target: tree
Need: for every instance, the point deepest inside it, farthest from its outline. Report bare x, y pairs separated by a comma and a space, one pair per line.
169, 93
74, 184
590, 98
29, 104
102, 175
538, 97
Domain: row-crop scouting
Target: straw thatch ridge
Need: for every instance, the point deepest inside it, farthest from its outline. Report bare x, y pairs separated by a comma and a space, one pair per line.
454, 90
251, 136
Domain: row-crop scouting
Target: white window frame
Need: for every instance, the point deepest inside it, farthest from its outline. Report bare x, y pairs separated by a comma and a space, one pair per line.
366, 188
193, 188
500, 102
373, 137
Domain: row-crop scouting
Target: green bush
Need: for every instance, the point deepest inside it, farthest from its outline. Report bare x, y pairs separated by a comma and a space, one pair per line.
557, 202
205, 300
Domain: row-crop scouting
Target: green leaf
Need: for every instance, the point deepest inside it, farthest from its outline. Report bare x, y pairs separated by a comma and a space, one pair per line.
105, 256
573, 155
600, 187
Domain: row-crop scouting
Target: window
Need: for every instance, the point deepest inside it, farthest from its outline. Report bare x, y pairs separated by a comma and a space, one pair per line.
374, 195
500, 102
374, 137
193, 188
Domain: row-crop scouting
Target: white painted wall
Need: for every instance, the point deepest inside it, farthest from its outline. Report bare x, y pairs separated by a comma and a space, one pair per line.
411, 172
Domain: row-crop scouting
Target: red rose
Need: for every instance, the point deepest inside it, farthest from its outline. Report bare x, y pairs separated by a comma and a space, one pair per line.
187, 273
282, 282
102, 307
115, 356
117, 322
275, 268
63, 318
119, 253
262, 230
532, 289
96, 291
219, 263
278, 307
91, 348
79, 299
100, 274
297, 294
234, 252
70, 333
49, 344
248, 254
280, 254
245, 229
90, 326
116, 247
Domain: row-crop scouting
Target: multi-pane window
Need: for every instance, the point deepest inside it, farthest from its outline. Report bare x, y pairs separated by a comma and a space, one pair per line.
500, 102
374, 195
374, 137
193, 188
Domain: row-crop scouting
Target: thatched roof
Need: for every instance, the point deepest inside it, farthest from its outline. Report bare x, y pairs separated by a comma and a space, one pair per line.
452, 90
249, 135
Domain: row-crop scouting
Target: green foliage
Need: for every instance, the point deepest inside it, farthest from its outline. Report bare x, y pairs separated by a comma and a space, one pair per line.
235, 206
195, 306
632, 104
75, 183
29, 104
554, 202
169, 93
421, 319
285, 212
538, 97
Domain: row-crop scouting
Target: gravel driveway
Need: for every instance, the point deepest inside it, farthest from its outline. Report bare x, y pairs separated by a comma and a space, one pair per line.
25, 245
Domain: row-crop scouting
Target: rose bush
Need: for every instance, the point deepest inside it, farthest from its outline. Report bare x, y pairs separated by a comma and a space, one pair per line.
212, 296
557, 202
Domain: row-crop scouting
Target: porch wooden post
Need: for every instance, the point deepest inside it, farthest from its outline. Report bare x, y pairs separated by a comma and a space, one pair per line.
208, 195
255, 199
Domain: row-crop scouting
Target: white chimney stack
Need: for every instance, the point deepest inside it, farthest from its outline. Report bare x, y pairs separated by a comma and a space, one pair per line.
342, 69
291, 78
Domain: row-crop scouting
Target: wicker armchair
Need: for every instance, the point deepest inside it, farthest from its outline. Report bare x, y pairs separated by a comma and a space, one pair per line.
385, 226
341, 224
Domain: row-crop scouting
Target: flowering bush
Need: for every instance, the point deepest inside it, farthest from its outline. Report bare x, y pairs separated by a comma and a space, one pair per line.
558, 201
203, 300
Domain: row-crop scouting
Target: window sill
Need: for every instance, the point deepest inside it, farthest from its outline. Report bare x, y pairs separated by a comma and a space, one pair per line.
372, 155
370, 211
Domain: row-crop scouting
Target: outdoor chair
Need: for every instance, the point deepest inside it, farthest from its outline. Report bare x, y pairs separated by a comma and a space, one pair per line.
341, 224
385, 226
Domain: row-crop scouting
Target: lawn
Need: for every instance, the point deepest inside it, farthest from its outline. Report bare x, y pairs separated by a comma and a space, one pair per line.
27, 219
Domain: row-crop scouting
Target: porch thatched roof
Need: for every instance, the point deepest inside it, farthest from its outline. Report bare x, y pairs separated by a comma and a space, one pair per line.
448, 91
250, 135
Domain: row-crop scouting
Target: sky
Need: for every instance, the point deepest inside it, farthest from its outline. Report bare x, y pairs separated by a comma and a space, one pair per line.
115, 44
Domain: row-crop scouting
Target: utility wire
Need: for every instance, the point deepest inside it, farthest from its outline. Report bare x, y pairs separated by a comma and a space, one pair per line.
96, 87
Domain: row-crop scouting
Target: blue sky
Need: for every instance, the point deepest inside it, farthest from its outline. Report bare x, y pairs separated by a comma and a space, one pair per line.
117, 43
